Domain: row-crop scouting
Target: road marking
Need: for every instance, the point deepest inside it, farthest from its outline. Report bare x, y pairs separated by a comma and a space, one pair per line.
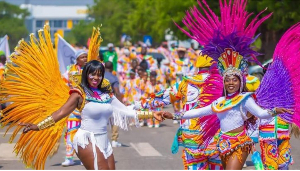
145, 149
7, 151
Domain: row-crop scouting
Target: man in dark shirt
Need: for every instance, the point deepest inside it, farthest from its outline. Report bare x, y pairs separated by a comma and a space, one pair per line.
114, 82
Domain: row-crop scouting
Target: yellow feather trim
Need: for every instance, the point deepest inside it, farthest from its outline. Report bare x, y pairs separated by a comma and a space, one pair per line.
36, 89
95, 43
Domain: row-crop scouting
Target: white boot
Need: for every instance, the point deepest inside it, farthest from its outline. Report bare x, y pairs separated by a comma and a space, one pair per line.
68, 162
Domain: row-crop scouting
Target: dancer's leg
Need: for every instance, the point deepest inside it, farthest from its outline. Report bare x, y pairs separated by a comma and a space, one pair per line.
234, 163
86, 156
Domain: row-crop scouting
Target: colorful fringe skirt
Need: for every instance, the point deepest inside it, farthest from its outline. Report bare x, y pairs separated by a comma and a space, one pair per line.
234, 144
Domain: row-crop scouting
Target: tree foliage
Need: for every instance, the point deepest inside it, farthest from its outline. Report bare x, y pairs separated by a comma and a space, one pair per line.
12, 19
153, 17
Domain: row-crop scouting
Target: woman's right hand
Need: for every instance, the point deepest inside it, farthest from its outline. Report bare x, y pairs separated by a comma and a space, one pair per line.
29, 127
280, 110
162, 115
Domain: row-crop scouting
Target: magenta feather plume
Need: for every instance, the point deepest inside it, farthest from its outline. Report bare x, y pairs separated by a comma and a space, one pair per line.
280, 86
211, 91
228, 31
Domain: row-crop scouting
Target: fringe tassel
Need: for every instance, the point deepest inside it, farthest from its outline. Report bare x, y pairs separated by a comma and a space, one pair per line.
122, 121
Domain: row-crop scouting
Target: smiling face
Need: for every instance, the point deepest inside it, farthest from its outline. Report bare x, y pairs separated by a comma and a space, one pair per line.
94, 79
232, 84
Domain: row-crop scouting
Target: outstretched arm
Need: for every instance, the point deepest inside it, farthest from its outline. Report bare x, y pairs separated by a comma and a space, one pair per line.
253, 108
72, 103
194, 113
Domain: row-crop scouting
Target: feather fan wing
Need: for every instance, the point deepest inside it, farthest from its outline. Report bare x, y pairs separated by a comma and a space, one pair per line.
35, 89
280, 85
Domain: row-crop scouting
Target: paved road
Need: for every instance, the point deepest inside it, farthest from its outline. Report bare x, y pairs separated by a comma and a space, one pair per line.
144, 148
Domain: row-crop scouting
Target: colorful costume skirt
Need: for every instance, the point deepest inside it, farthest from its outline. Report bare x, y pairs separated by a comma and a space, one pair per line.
234, 144
83, 138
195, 157
275, 145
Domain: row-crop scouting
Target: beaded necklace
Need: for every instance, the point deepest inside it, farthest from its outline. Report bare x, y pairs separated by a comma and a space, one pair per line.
98, 96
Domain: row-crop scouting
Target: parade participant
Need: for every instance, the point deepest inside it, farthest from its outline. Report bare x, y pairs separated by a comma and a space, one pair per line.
74, 119
181, 66
188, 135
153, 87
143, 56
49, 104
111, 56
132, 90
115, 87
124, 65
192, 54
230, 47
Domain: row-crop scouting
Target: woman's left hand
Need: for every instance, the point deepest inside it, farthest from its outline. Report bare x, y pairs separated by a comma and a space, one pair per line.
279, 110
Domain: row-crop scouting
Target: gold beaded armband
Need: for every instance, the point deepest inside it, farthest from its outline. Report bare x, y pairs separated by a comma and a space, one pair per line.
48, 122
144, 115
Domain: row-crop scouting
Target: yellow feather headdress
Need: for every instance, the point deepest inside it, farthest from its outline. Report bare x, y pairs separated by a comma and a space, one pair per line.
95, 43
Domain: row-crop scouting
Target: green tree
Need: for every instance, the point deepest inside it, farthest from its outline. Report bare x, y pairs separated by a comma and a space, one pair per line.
111, 15
152, 17
285, 14
12, 19
80, 33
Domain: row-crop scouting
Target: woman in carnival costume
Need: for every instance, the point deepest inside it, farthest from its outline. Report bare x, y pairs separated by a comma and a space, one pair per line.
190, 91
38, 92
228, 42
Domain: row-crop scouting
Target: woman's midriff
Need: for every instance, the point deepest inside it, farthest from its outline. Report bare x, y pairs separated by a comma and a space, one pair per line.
237, 130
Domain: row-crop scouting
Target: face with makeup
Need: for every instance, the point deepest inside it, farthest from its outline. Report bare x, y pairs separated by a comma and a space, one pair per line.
94, 79
232, 84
